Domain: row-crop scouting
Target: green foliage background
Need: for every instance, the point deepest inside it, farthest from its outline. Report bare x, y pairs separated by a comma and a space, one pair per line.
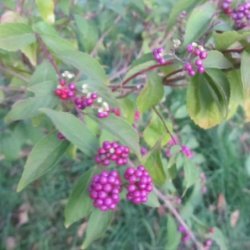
34, 218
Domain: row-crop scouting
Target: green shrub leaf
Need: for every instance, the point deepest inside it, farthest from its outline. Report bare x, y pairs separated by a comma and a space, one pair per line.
46, 9
120, 128
15, 36
43, 157
97, 225
198, 22
74, 130
79, 204
245, 73
151, 94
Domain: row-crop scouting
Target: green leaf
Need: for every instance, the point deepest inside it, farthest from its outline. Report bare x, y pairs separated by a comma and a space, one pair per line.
31, 53
79, 204
46, 9
97, 225
127, 106
173, 235
44, 72
10, 146
217, 60
245, 73
69, 55
84, 63
191, 174
179, 6
228, 38
218, 81
198, 22
152, 200
219, 238
122, 130
156, 131
236, 91
28, 108
52, 38
207, 100
151, 94
87, 33
43, 157
74, 130
153, 163
15, 36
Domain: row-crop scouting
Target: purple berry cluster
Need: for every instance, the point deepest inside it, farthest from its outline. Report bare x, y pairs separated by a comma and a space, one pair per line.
82, 99
140, 184
158, 54
65, 91
105, 190
82, 102
195, 65
241, 15
112, 151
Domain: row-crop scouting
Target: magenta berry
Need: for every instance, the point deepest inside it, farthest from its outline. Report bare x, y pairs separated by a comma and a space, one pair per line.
112, 151
64, 91
139, 184
185, 235
159, 55
105, 189
186, 151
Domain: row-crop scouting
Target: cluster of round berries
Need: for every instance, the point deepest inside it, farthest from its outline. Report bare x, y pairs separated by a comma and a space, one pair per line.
140, 184
65, 91
159, 55
105, 189
240, 14
86, 99
112, 151
196, 65
82, 102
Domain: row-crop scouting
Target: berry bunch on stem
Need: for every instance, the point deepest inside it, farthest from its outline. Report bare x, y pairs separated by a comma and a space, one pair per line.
112, 151
105, 189
195, 64
139, 184
158, 54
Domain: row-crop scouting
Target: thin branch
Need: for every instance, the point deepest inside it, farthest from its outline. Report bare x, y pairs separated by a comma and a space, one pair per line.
169, 82
173, 73
239, 50
178, 217
155, 66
